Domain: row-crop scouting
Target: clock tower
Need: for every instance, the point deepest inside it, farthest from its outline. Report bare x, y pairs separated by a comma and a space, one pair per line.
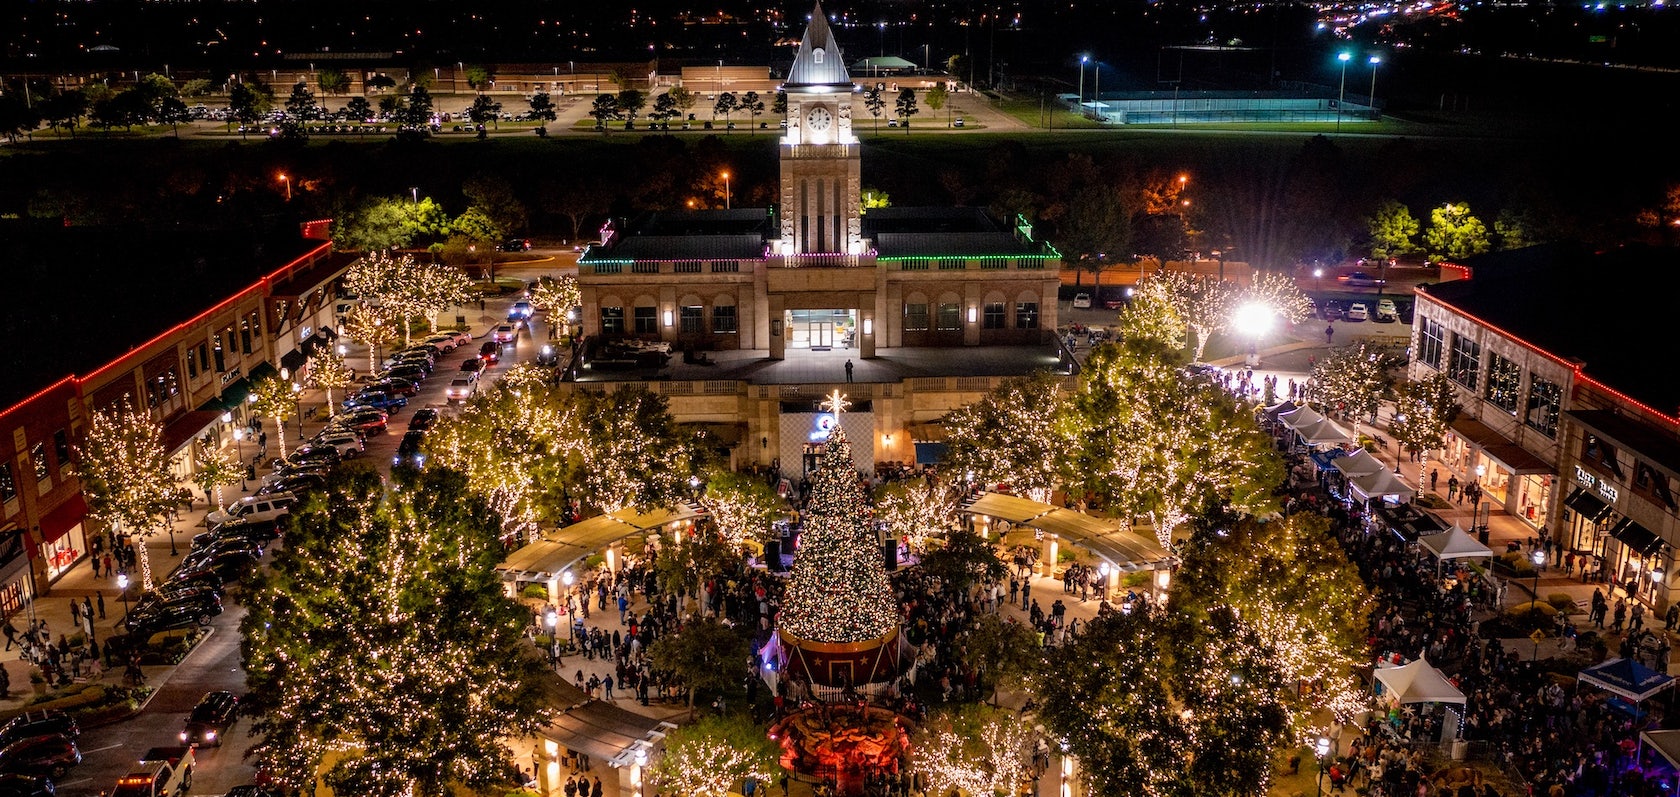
820, 174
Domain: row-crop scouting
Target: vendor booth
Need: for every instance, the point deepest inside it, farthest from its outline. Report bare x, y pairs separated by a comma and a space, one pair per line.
1409, 522
1403, 688
1383, 486
1455, 544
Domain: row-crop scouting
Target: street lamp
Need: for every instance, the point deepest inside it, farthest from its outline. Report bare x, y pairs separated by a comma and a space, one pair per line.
239, 440
297, 408
122, 584
285, 178
1253, 320
1318, 279
1342, 92
1539, 557
726, 190
552, 618
414, 193
927, 62
1372, 102
1323, 750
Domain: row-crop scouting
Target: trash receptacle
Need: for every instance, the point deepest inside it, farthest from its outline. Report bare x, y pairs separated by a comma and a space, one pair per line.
1460, 748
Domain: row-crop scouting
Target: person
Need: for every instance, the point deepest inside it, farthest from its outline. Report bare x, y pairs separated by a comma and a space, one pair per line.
1329, 333
87, 609
11, 633
848, 370
1672, 618
101, 596
1452, 486
1434, 476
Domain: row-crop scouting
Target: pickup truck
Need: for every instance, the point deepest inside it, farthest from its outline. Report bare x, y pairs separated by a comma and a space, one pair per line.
162, 772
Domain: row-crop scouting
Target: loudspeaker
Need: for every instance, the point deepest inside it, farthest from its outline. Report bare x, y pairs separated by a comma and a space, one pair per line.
889, 554
773, 556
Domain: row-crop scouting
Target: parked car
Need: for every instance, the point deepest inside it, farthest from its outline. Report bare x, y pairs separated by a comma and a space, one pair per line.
408, 451
265, 507
444, 342
1358, 312
221, 545
504, 334
49, 754
423, 419
296, 484
376, 398
413, 372
256, 534
516, 245
461, 388
1082, 301
209, 720
368, 421
18, 785
1331, 310
37, 723
1386, 311
419, 361
228, 566
490, 352
349, 444
177, 611
401, 387
461, 338
311, 454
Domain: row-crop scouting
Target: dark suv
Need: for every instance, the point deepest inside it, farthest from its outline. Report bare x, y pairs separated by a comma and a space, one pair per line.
209, 720
176, 610
49, 754
38, 723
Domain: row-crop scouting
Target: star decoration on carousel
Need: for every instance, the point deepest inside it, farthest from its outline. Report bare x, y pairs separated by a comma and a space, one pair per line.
836, 403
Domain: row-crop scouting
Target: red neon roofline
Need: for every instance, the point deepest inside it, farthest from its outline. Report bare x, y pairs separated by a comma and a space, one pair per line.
37, 394
1580, 374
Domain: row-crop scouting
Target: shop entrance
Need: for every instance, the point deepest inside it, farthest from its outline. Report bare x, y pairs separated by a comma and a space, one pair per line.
821, 330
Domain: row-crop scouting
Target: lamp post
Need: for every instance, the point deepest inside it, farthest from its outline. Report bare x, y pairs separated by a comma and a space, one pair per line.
726, 190
1322, 748
927, 61
1318, 279
414, 193
1342, 92
122, 586
1539, 557
567, 578
239, 440
552, 618
285, 178
1371, 103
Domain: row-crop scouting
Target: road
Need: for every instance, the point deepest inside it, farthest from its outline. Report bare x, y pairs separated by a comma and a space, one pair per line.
108, 752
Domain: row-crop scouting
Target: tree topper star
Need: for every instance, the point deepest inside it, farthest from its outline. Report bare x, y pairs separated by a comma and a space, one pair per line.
836, 403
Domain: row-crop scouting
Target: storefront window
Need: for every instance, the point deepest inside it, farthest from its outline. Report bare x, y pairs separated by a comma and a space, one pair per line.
647, 320
915, 318
62, 553
1503, 383
612, 320
1595, 450
1432, 342
1543, 400
950, 317
38, 456
993, 316
693, 319
8, 485
61, 447
723, 319
1466, 363
1026, 315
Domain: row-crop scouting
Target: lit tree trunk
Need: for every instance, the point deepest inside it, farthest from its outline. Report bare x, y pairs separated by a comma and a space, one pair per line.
280, 432
145, 557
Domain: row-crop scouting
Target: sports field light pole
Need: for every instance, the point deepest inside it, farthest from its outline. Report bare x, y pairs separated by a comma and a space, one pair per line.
1080, 104
1341, 93
1371, 103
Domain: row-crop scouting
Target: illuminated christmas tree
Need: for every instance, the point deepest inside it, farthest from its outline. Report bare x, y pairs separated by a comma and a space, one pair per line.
839, 591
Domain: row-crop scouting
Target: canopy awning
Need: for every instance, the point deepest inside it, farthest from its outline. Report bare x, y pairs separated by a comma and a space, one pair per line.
1419, 682
1497, 446
562, 548
1381, 484
597, 728
1587, 505
1359, 463
63, 517
1126, 551
186, 427
1666, 743
1455, 544
1636, 537
930, 432
1627, 678
1280, 408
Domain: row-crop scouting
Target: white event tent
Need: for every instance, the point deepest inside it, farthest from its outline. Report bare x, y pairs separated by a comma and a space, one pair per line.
1419, 682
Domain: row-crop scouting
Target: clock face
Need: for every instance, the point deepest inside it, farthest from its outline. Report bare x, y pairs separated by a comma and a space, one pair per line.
819, 118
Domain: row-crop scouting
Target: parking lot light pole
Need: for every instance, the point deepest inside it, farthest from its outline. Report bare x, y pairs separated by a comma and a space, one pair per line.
1341, 93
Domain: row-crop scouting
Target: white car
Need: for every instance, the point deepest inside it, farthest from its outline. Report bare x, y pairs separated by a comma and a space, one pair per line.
444, 342
253, 508
460, 338
1358, 312
349, 444
461, 388
1082, 301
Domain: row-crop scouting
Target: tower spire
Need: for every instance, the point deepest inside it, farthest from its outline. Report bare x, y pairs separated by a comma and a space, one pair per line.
818, 62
